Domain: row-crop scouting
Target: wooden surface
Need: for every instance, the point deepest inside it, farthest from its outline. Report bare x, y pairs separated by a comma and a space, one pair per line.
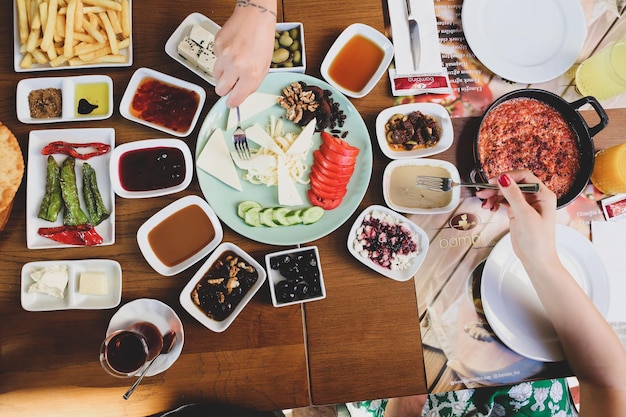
361, 342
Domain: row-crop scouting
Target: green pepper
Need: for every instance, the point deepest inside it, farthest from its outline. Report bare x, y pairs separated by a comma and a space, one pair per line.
52, 201
73, 214
93, 199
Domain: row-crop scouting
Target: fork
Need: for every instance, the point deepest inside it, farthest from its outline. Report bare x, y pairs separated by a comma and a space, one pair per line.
445, 184
240, 140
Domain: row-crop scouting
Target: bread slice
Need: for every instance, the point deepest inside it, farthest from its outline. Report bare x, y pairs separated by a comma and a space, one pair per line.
11, 167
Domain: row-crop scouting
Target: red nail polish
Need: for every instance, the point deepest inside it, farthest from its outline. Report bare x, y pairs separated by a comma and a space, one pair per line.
504, 180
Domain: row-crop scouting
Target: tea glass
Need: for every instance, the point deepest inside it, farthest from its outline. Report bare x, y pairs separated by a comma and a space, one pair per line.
125, 352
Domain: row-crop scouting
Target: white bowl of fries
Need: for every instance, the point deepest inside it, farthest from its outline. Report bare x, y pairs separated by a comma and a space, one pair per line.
94, 42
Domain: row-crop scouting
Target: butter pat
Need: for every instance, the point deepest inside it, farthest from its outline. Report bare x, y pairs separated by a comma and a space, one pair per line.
93, 283
50, 280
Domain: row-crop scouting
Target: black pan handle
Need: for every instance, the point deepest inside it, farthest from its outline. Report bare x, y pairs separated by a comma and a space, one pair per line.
604, 118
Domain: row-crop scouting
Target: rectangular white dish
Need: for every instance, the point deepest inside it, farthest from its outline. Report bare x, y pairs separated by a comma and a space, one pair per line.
68, 87
36, 182
17, 55
73, 299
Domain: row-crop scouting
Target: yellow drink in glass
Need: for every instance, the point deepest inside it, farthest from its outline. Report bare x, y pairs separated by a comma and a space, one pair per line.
603, 75
609, 170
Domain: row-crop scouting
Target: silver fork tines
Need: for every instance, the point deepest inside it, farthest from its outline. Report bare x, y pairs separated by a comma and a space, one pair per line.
445, 184
240, 140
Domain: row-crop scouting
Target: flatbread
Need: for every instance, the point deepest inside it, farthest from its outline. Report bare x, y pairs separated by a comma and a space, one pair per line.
11, 167
4, 216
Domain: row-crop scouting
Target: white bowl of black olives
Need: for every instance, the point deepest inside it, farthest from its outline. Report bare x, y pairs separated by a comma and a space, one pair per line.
295, 276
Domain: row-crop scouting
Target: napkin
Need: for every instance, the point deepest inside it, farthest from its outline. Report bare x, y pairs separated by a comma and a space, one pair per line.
609, 240
431, 76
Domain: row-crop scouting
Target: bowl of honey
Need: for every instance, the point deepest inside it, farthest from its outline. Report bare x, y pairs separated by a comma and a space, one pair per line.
357, 60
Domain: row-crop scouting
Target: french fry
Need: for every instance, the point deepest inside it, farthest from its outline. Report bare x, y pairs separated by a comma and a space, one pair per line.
125, 18
51, 20
93, 31
110, 33
90, 56
78, 16
22, 20
115, 21
108, 4
27, 61
33, 37
68, 46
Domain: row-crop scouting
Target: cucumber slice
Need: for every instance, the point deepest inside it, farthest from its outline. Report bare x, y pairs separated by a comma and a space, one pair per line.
252, 217
312, 214
279, 216
245, 206
293, 217
267, 217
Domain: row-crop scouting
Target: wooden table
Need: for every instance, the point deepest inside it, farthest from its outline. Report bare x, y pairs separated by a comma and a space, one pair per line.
361, 342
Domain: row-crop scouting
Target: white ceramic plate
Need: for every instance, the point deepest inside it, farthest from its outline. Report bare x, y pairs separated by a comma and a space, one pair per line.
194, 310
17, 56
147, 144
512, 306
454, 174
400, 274
432, 109
171, 46
70, 98
274, 276
529, 41
373, 35
157, 313
134, 82
36, 184
224, 199
148, 225
73, 299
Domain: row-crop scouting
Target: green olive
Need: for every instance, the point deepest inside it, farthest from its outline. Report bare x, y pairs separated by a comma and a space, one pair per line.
295, 46
276, 44
297, 57
276, 34
294, 33
285, 40
280, 55
287, 64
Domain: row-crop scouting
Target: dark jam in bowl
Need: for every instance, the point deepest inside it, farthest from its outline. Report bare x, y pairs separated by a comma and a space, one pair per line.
164, 104
152, 168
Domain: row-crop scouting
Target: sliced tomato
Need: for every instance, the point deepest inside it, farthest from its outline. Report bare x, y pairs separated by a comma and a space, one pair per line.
337, 158
320, 160
323, 203
330, 177
339, 145
324, 191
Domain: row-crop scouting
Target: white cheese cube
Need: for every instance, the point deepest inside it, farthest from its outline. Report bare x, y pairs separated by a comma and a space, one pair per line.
189, 50
93, 283
206, 61
201, 36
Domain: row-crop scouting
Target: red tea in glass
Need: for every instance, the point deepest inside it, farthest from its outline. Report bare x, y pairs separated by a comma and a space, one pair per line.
125, 352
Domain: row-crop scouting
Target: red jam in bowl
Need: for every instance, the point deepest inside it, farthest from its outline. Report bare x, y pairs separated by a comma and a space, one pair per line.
164, 104
152, 168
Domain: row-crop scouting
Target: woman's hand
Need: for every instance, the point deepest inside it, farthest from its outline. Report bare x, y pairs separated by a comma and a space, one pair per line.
532, 215
244, 47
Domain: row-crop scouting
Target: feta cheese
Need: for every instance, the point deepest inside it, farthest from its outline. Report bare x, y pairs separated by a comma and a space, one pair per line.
50, 280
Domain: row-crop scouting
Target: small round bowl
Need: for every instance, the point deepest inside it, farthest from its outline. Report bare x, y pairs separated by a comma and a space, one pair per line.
372, 35
178, 232
175, 146
437, 111
425, 201
195, 311
144, 73
275, 277
385, 214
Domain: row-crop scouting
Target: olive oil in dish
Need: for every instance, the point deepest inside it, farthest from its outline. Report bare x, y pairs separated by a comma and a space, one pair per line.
356, 63
91, 99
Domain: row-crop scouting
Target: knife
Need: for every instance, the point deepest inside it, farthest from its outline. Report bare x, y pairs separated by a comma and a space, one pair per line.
414, 34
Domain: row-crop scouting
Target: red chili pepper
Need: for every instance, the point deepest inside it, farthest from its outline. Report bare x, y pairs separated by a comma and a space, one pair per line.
70, 149
83, 234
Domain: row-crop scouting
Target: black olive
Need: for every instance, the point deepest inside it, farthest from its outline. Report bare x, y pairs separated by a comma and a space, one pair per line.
274, 262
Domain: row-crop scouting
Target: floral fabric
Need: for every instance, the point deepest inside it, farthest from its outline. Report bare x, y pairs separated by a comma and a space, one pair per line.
528, 399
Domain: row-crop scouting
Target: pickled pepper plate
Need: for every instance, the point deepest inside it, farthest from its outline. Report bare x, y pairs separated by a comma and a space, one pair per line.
97, 144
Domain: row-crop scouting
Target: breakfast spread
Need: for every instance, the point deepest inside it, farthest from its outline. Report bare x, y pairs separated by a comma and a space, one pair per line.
50, 280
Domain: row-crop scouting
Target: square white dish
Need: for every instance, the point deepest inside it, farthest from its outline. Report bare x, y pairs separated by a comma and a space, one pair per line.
164, 213
171, 46
68, 87
17, 55
455, 192
73, 299
134, 83
275, 277
437, 111
286, 26
36, 182
413, 264
197, 313
118, 152
358, 29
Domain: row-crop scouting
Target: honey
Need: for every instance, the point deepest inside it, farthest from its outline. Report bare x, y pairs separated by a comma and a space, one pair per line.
356, 63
